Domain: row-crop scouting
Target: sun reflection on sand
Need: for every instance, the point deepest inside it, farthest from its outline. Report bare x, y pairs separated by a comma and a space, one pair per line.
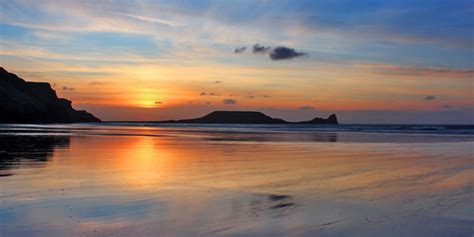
160, 181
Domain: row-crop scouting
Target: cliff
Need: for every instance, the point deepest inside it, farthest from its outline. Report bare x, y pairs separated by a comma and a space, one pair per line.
35, 102
249, 117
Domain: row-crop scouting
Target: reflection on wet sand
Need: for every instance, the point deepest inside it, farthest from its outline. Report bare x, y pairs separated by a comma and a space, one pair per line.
241, 184
15, 150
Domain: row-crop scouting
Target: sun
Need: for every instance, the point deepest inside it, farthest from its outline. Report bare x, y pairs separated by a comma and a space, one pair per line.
148, 104
148, 99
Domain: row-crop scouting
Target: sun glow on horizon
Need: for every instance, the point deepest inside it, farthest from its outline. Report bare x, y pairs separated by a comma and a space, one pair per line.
147, 98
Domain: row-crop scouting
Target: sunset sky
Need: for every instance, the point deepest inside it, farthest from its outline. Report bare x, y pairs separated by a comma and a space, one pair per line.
366, 61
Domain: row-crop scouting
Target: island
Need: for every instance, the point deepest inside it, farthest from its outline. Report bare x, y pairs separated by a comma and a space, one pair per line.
35, 102
248, 117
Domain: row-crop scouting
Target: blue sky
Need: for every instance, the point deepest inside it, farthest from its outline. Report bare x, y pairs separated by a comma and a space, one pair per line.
392, 52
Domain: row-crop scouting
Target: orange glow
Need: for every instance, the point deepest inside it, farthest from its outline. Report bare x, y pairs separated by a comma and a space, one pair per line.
148, 98
144, 161
330, 88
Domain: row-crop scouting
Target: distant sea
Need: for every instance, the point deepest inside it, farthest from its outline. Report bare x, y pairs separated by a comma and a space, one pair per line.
388, 128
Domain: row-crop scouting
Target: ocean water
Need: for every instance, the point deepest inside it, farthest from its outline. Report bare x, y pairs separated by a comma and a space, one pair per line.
143, 179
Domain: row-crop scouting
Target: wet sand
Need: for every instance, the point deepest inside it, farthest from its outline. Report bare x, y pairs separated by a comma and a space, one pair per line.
142, 181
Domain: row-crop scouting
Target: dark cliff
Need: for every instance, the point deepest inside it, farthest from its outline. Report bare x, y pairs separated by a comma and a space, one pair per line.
249, 117
35, 102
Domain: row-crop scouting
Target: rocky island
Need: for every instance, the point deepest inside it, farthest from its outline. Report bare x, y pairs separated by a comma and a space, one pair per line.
35, 102
249, 117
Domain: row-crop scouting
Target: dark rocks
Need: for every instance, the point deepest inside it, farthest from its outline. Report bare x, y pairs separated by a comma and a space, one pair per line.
35, 102
332, 119
277, 197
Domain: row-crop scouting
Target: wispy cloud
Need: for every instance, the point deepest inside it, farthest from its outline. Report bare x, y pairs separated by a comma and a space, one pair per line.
240, 49
151, 19
50, 35
229, 101
447, 107
418, 71
306, 107
260, 49
209, 94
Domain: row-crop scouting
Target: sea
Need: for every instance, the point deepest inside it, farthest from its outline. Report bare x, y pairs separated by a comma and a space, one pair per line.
152, 179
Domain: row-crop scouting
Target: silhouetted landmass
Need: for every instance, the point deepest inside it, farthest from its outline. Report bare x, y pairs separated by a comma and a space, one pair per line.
249, 117
332, 119
234, 117
35, 102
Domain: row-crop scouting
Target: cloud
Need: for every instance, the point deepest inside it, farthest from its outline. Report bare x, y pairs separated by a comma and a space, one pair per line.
97, 83
260, 49
447, 107
150, 19
418, 71
283, 52
278, 53
209, 94
158, 102
306, 107
229, 101
430, 97
240, 49
65, 88
49, 35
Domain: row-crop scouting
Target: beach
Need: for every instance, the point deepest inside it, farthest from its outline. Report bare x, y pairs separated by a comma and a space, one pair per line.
150, 180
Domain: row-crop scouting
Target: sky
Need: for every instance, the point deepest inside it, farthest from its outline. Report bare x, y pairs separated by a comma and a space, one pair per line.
367, 61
